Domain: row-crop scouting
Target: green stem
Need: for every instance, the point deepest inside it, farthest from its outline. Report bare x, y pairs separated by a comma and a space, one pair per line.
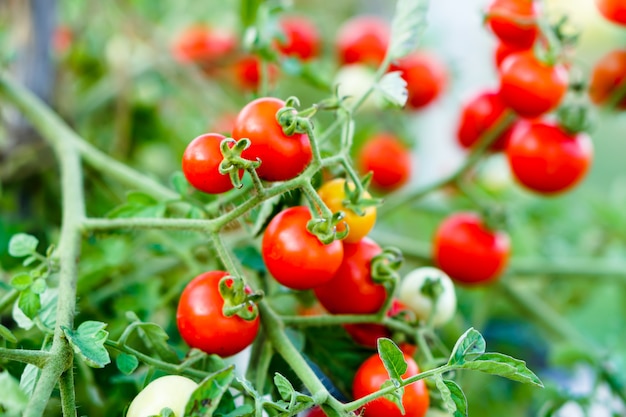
315, 149
8, 299
68, 396
39, 358
316, 202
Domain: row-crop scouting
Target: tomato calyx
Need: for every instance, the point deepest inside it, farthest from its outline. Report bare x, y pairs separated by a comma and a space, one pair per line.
239, 300
233, 162
385, 265
293, 121
325, 228
575, 115
356, 201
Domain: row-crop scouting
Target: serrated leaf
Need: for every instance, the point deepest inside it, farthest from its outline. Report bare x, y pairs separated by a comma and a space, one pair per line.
504, 366
393, 88
22, 245
29, 378
285, 389
39, 286
13, 399
21, 281
155, 338
126, 363
392, 358
452, 396
88, 342
6, 334
180, 183
407, 25
394, 396
47, 312
29, 303
469, 346
207, 396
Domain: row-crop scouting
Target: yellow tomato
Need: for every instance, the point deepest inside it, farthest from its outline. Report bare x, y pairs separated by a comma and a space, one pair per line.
333, 194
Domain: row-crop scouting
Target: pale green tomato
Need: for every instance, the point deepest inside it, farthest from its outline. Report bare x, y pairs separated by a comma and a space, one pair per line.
171, 391
353, 81
412, 295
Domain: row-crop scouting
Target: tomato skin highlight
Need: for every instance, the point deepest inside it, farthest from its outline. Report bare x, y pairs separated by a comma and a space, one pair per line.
202, 324
506, 20
333, 195
530, 87
607, 75
467, 251
388, 159
351, 290
613, 10
302, 39
478, 115
363, 39
282, 157
201, 161
372, 374
546, 159
426, 78
295, 257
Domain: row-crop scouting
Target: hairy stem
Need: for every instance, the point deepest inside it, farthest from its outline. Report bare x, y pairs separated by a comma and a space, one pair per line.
33, 357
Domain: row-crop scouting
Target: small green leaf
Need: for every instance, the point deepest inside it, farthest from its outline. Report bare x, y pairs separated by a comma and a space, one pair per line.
6, 334
165, 412
180, 183
29, 303
469, 346
13, 399
285, 389
452, 396
195, 213
46, 314
140, 199
126, 363
21, 281
504, 366
393, 88
39, 286
395, 396
241, 411
22, 245
88, 342
392, 358
250, 257
29, 261
207, 396
408, 22
156, 339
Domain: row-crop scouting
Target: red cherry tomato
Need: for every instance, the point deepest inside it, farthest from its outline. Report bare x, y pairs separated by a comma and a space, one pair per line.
613, 10
295, 257
203, 45
247, 72
546, 159
388, 159
478, 115
202, 324
302, 39
282, 157
503, 51
201, 162
315, 412
607, 75
469, 252
363, 39
530, 87
370, 377
351, 290
513, 22
425, 75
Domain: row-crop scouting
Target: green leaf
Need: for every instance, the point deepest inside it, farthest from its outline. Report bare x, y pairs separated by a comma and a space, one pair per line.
452, 396
22, 245
155, 338
29, 303
241, 411
206, 397
285, 389
179, 182
395, 396
39, 286
88, 342
408, 22
504, 366
250, 257
393, 88
140, 199
392, 358
29, 261
29, 378
46, 314
126, 363
13, 399
469, 346
21, 281
6, 334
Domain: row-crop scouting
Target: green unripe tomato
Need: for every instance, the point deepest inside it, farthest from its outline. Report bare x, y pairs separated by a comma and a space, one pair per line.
171, 391
417, 296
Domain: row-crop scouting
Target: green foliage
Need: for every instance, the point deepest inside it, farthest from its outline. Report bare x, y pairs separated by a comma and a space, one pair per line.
88, 342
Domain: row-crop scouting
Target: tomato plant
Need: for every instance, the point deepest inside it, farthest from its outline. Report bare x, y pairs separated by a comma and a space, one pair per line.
170, 391
294, 256
468, 251
429, 293
362, 39
301, 38
531, 87
609, 72
478, 115
203, 325
546, 159
333, 194
388, 159
426, 77
370, 377
351, 290
201, 162
513, 22
282, 157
